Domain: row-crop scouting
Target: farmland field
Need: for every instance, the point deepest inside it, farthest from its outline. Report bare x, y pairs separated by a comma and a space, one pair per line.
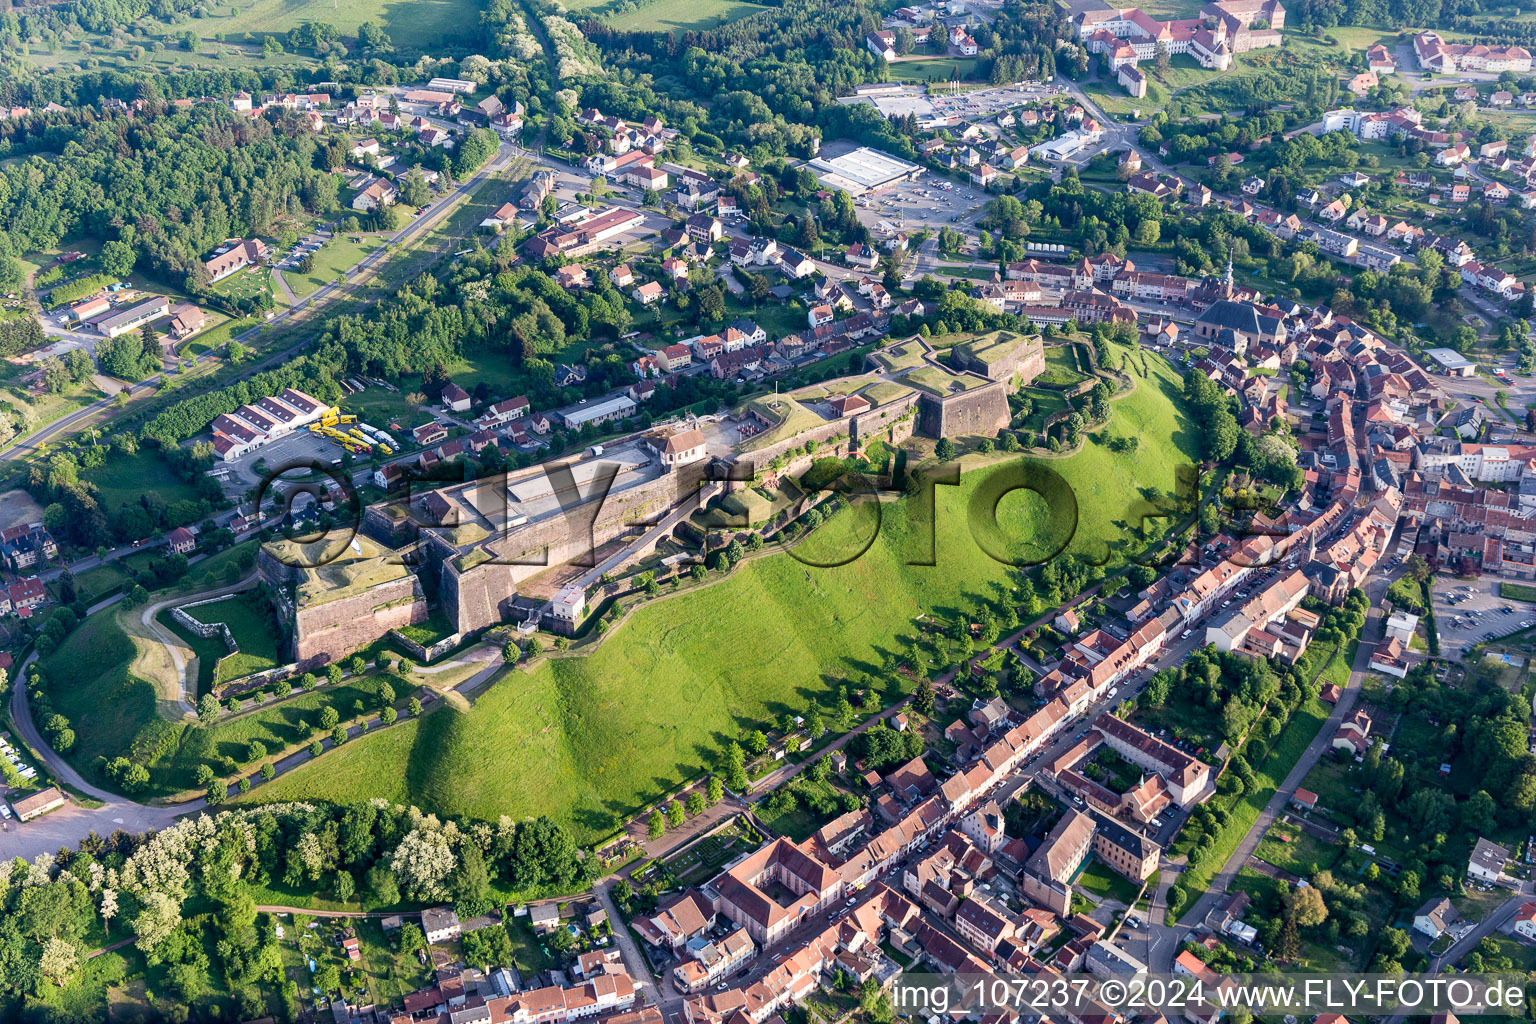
589, 740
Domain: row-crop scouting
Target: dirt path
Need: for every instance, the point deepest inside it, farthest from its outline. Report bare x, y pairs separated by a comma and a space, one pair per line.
181, 656
338, 913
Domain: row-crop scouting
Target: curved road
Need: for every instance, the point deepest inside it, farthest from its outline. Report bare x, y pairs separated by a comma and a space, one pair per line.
72, 823
86, 415
173, 644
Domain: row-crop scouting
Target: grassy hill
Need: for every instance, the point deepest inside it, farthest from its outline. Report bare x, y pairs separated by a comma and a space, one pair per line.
591, 739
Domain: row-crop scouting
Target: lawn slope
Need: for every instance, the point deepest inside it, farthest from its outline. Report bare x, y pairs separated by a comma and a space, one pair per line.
591, 739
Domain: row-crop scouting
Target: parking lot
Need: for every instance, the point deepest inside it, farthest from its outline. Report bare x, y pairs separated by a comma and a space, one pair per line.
911, 205
981, 103
298, 447
1473, 613
307, 246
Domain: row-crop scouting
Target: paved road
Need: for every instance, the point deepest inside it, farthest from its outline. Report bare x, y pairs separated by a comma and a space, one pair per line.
338, 913
634, 960
102, 409
1496, 920
72, 823
174, 646
1320, 745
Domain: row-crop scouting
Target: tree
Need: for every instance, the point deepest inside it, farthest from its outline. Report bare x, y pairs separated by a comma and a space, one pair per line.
1308, 907
327, 978
675, 814
716, 790
59, 961
414, 190
208, 709
381, 882
344, 886
734, 768
656, 824
922, 699
944, 451
487, 947
876, 1002
338, 735
412, 939
218, 791
471, 883
117, 258
695, 802
561, 940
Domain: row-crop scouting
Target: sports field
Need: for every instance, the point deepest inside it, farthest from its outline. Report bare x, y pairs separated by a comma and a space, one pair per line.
589, 740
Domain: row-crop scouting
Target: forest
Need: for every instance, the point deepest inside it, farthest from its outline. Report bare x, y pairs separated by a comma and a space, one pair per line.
171, 187
188, 896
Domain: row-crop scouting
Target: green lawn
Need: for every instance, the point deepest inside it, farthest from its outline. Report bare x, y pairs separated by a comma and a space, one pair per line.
331, 261
113, 710
208, 650
937, 69
1298, 852
123, 478
277, 725
683, 15
1103, 882
590, 740
1060, 367
390, 975
1517, 592
418, 23
1287, 750
251, 622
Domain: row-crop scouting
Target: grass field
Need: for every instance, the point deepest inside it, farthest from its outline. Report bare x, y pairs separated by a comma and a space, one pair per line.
112, 708
683, 15
1283, 755
936, 69
1298, 852
122, 479
1517, 592
250, 622
339, 255
207, 650
409, 22
1105, 883
590, 740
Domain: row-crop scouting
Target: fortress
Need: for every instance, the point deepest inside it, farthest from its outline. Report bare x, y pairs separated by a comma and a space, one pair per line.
526, 546
1128, 35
